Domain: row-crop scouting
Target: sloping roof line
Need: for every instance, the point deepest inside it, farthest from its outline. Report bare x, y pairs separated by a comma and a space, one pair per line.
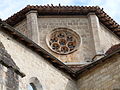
113, 48
67, 10
50, 58
30, 44
112, 51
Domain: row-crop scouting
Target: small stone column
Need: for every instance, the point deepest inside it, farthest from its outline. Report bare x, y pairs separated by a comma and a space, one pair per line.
95, 27
32, 26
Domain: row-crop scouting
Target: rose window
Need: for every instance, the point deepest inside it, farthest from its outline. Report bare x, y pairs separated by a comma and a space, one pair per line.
63, 41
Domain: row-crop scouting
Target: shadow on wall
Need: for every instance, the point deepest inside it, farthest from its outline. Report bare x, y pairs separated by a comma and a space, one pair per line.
34, 84
8, 77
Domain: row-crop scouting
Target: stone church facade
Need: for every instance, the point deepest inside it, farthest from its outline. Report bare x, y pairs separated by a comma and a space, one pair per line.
60, 48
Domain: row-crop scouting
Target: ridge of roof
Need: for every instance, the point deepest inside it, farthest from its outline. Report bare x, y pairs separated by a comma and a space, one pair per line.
50, 58
66, 10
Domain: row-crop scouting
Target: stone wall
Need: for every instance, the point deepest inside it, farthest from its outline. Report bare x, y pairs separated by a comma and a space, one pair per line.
103, 77
34, 65
79, 24
22, 28
95, 37
8, 78
107, 38
3, 71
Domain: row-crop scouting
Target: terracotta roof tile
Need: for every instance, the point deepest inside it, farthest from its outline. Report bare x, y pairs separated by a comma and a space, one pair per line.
66, 10
113, 49
36, 48
76, 67
53, 60
61, 10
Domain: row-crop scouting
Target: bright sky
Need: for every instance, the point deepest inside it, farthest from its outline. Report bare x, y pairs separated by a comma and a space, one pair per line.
9, 7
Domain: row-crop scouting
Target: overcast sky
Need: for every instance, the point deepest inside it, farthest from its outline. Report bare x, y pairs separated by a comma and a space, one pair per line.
9, 7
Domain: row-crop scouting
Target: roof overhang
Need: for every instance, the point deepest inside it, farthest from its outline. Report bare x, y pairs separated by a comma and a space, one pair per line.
50, 58
59, 10
67, 10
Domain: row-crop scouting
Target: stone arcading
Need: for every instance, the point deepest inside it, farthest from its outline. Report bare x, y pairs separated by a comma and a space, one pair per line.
63, 40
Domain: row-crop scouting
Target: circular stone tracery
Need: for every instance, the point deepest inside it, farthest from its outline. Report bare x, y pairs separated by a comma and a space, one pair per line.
63, 40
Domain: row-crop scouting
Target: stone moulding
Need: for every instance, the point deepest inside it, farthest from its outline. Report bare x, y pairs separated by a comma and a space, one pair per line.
50, 58
63, 41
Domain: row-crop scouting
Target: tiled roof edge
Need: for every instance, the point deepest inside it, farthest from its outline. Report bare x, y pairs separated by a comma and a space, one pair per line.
55, 62
95, 63
67, 10
34, 47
